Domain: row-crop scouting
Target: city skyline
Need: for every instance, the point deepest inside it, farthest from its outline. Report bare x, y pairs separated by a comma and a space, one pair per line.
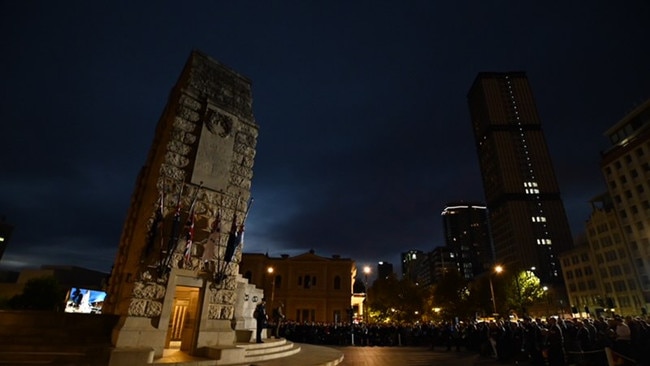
365, 132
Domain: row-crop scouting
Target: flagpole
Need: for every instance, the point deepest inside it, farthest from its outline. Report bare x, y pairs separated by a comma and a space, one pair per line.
190, 229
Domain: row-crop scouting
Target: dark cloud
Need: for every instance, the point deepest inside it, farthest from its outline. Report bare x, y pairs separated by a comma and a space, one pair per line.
364, 125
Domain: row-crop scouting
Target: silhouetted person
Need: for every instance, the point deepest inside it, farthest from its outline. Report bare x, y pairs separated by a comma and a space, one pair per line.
261, 317
278, 317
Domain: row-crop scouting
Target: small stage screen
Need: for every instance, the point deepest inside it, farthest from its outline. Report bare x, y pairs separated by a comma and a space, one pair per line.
81, 300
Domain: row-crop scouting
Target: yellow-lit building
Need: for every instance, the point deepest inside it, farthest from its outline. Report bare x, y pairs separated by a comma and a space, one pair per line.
312, 288
600, 274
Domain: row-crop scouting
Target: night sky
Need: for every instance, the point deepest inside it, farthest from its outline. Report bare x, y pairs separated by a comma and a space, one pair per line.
365, 132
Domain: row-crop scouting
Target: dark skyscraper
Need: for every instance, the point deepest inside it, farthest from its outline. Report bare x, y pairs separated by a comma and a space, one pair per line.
384, 269
468, 237
527, 218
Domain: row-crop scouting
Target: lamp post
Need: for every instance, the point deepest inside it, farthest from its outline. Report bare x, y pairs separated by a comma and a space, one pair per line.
497, 270
545, 288
270, 271
366, 271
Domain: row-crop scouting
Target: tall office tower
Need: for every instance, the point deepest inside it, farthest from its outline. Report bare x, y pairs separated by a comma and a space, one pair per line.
626, 168
411, 261
527, 218
384, 269
442, 262
467, 235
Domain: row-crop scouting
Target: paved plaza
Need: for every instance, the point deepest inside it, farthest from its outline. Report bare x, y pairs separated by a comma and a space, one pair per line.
379, 356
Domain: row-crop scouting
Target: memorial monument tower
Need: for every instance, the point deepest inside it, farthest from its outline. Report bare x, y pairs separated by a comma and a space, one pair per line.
175, 278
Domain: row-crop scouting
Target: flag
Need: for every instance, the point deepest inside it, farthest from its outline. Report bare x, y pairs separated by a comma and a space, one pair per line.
156, 227
189, 230
213, 239
233, 240
176, 223
189, 238
236, 236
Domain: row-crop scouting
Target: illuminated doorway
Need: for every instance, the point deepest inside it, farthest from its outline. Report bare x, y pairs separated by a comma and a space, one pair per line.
183, 320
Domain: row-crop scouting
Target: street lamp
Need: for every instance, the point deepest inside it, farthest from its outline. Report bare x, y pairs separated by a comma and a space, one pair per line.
366, 272
545, 288
270, 271
497, 270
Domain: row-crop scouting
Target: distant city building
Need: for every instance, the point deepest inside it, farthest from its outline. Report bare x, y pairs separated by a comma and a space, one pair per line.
527, 218
626, 168
312, 288
384, 269
443, 262
5, 235
425, 270
599, 275
467, 235
411, 262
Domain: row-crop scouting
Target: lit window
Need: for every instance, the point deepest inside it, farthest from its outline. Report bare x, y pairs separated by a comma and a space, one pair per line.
538, 219
532, 191
543, 241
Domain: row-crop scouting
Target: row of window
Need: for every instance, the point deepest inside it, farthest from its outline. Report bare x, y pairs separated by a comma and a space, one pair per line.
306, 281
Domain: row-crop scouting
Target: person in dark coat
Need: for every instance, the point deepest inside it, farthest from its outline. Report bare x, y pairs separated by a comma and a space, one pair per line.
260, 315
555, 344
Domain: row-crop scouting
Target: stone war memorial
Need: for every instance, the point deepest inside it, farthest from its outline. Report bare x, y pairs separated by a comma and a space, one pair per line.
175, 282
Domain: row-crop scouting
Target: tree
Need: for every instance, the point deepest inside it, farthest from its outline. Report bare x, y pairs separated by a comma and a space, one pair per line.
452, 294
524, 290
42, 293
396, 300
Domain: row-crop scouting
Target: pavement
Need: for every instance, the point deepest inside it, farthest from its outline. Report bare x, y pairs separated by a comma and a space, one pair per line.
316, 355
312, 355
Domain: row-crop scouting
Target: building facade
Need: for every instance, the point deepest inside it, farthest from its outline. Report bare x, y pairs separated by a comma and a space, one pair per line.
384, 269
312, 288
527, 218
411, 263
626, 168
467, 235
443, 261
599, 274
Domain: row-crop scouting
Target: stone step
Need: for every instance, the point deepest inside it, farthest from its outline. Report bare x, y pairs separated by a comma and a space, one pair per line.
254, 351
274, 354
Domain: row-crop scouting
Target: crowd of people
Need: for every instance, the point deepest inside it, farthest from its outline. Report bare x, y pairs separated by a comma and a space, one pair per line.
553, 341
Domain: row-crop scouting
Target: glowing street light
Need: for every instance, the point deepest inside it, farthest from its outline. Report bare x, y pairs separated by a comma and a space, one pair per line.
497, 270
270, 271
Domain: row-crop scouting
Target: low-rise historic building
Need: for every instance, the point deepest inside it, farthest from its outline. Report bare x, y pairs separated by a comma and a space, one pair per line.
312, 288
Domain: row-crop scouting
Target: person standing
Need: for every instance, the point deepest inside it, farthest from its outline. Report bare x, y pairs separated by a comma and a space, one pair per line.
278, 317
260, 315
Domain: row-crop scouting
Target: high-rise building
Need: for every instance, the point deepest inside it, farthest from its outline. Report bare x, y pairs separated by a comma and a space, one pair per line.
527, 218
468, 237
443, 262
411, 262
384, 269
626, 168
